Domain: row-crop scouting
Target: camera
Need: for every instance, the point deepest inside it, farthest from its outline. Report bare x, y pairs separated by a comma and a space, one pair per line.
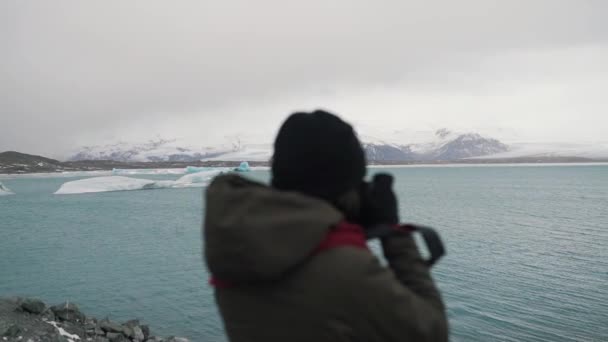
379, 215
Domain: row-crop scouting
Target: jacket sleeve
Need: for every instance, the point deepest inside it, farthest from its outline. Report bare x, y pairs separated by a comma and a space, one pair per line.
402, 302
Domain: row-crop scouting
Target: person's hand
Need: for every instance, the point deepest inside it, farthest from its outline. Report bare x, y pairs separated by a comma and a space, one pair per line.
379, 203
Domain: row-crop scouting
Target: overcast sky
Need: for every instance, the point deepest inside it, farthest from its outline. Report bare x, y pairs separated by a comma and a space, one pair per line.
78, 73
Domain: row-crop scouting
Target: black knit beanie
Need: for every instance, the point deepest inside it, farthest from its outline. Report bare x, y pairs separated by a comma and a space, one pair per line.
317, 154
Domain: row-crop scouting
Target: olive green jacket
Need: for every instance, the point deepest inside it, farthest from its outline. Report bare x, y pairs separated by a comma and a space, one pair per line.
260, 243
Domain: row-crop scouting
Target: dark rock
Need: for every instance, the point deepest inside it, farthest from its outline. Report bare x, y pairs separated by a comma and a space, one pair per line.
13, 331
146, 330
35, 306
90, 323
73, 328
129, 328
112, 335
48, 315
111, 327
68, 312
52, 338
127, 331
132, 323
119, 338
155, 339
91, 328
16, 300
176, 339
38, 323
138, 334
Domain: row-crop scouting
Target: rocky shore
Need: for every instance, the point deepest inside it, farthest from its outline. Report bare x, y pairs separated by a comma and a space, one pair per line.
31, 320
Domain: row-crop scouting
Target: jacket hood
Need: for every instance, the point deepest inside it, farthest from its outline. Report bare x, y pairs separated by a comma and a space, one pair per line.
254, 233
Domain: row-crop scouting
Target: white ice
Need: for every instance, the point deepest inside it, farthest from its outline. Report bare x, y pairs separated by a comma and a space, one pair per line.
62, 332
148, 171
120, 183
195, 169
597, 150
103, 184
243, 167
252, 152
202, 177
5, 191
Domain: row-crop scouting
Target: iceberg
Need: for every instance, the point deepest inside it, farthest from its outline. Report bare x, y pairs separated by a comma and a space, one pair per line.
193, 179
121, 183
116, 171
194, 169
244, 167
5, 191
104, 184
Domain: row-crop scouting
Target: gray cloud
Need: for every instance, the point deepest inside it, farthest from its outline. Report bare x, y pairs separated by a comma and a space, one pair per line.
75, 72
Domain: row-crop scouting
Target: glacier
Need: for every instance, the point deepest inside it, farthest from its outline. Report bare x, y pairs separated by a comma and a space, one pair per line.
122, 183
250, 152
5, 191
596, 150
154, 150
381, 145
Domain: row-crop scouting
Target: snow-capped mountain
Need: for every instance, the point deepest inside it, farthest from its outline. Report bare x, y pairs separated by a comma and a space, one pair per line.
440, 145
467, 146
443, 145
153, 150
387, 152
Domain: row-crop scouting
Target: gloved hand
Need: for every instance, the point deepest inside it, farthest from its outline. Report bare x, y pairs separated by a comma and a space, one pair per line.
379, 203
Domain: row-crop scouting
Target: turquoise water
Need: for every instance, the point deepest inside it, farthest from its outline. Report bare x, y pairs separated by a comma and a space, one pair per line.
527, 250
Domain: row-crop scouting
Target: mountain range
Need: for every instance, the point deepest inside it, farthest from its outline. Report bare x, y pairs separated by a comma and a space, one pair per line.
442, 145
395, 147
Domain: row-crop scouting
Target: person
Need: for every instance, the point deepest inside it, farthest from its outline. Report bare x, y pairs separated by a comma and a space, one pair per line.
289, 261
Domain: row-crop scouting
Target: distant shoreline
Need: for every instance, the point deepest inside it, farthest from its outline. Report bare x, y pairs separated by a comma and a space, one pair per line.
101, 166
12, 162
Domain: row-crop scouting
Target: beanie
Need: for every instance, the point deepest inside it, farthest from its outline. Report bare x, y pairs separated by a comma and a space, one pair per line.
317, 154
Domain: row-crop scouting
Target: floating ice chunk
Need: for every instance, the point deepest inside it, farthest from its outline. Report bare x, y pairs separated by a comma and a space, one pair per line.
202, 177
244, 167
147, 171
103, 184
5, 191
120, 183
194, 169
